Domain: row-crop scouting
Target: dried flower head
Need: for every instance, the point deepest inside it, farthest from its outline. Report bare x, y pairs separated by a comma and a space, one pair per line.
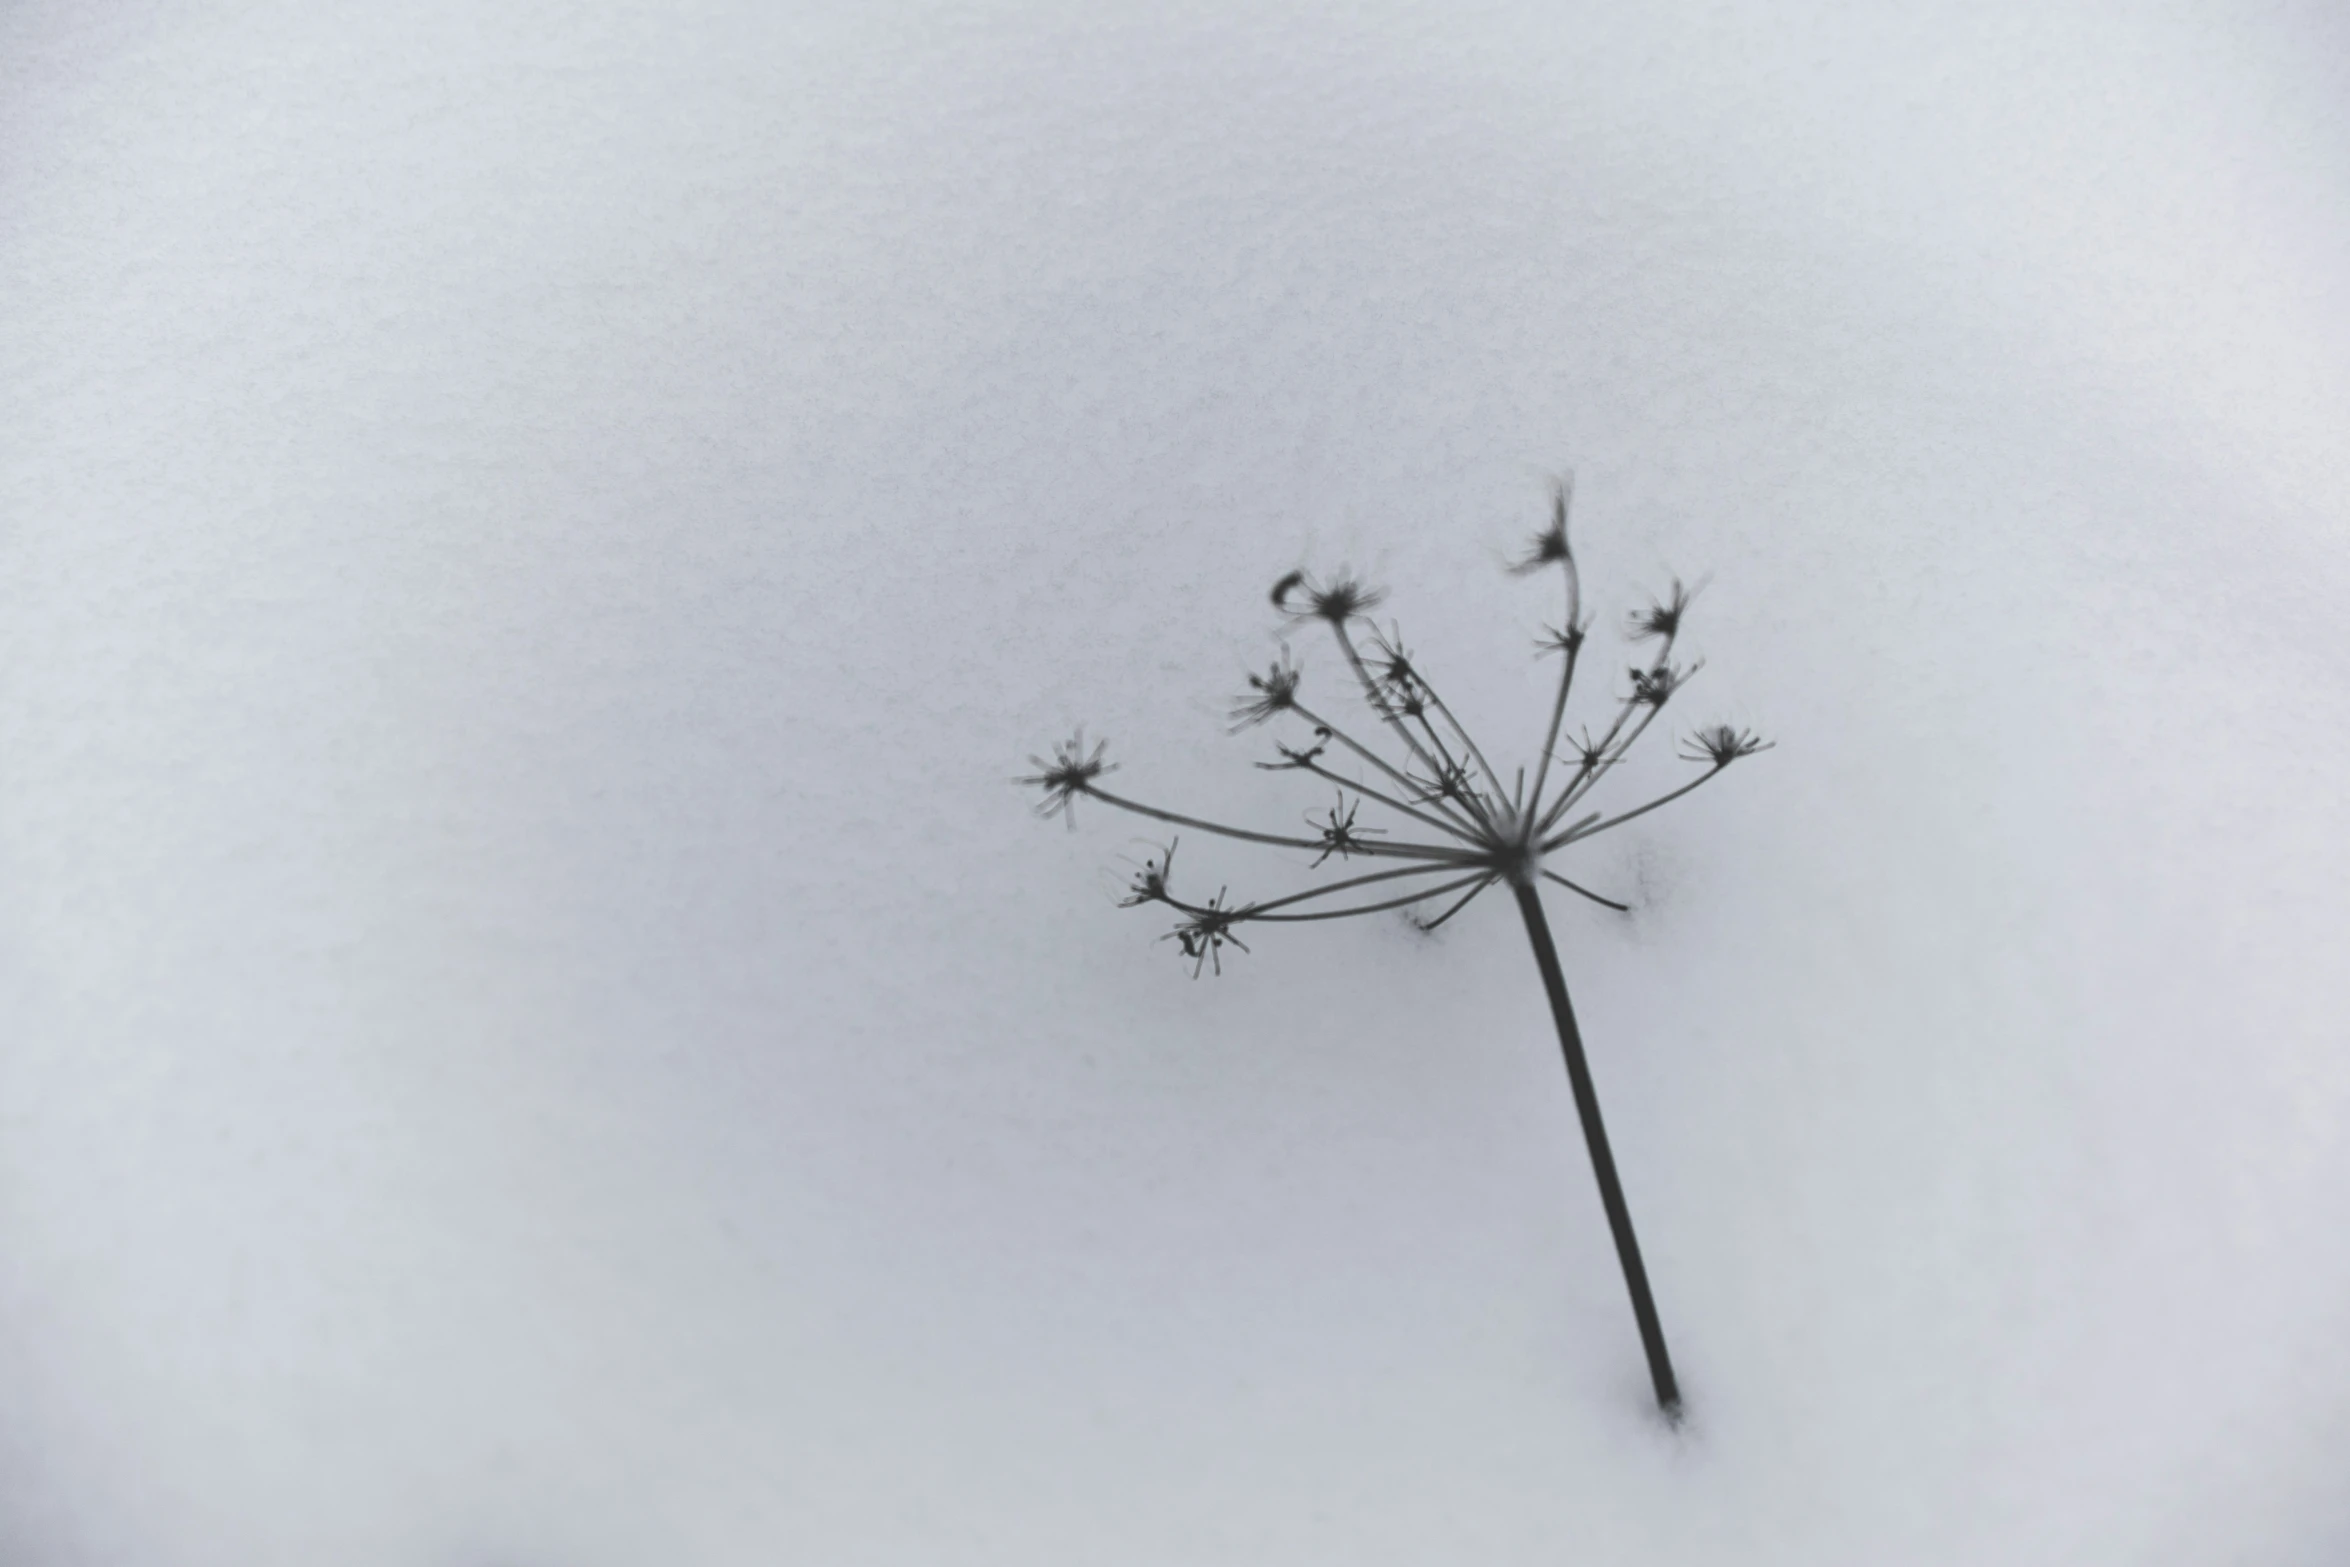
1339, 834
1662, 617
1443, 780
1587, 750
1566, 639
1275, 693
1343, 598
1389, 661
1150, 882
1655, 687
1069, 774
1400, 685
1203, 937
1549, 547
1722, 745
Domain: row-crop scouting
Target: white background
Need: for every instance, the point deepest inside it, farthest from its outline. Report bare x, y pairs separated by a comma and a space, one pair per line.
534, 1028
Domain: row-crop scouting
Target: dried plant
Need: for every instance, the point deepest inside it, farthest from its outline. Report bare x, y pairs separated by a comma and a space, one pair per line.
1473, 830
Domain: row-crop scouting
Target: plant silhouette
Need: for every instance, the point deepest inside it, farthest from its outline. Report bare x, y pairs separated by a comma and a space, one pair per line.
1472, 831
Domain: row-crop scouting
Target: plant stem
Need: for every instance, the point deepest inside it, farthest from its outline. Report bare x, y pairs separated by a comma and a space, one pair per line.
1603, 1163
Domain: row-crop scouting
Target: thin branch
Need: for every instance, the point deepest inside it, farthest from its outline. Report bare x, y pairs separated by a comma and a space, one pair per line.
1558, 712
1419, 694
1588, 770
1319, 771
1378, 703
1589, 774
1620, 908
1374, 908
1462, 828
1591, 770
1562, 495
1455, 770
1415, 851
1500, 789
1466, 899
1255, 910
1574, 835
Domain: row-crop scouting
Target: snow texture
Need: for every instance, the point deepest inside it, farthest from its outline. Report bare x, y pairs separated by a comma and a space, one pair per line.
534, 1028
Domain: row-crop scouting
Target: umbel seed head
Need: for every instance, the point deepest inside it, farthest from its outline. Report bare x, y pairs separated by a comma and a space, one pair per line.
1455, 824
1275, 693
1722, 745
1150, 883
1662, 618
1655, 687
1549, 547
1069, 774
1345, 597
1204, 936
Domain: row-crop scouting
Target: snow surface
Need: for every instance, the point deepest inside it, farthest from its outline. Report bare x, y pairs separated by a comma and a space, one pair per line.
535, 1030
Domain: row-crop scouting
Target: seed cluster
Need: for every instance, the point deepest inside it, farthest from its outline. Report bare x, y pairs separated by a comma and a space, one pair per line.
1416, 762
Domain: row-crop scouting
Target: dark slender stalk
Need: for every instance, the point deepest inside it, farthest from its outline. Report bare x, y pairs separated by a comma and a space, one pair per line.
1578, 887
1603, 1162
1406, 901
1600, 759
1462, 825
1579, 831
1344, 782
1466, 899
1372, 697
1558, 716
1597, 761
1387, 710
1570, 643
1258, 911
1468, 740
1414, 851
